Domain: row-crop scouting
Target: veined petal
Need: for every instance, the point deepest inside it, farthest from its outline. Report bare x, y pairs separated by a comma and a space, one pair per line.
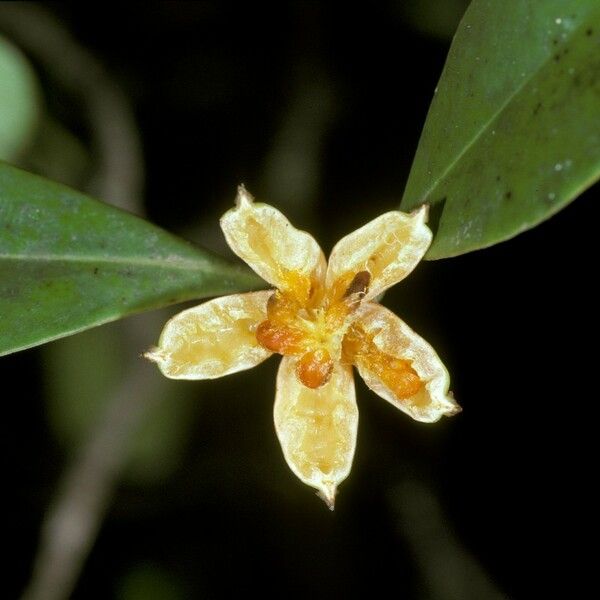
286, 257
317, 427
213, 339
396, 340
389, 248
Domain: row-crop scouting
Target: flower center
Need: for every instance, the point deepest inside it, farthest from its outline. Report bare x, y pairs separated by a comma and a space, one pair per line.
313, 329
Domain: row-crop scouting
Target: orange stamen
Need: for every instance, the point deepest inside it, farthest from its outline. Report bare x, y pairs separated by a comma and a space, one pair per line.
397, 374
314, 368
279, 338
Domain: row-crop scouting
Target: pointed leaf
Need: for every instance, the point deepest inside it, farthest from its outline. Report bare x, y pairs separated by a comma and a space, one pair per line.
68, 263
513, 132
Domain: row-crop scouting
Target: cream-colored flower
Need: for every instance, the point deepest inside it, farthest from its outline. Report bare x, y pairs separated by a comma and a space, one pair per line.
322, 318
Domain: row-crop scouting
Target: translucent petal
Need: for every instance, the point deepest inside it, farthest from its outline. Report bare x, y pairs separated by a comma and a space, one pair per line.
389, 248
213, 339
317, 427
392, 337
286, 257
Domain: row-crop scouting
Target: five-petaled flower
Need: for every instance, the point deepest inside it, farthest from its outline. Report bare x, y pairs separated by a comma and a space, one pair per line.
323, 319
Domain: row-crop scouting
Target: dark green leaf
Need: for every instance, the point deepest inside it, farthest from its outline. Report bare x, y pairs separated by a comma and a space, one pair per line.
68, 262
513, 132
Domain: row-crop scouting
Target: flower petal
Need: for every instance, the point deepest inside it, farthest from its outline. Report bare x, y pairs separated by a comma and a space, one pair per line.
286, 257
213, 339
394, 339
389, 248
317, 427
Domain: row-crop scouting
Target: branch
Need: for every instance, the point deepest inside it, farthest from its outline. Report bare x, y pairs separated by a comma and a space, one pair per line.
73, 520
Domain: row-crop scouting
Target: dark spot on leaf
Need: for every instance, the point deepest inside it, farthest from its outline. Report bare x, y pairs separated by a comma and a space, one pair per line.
173, 300
556, 57
555, 41
589, 31
508, 195
96, 270
435, 215
497, 177
537, 108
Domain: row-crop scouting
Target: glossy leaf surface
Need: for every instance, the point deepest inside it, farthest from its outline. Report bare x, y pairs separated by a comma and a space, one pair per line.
68, 263
513, 132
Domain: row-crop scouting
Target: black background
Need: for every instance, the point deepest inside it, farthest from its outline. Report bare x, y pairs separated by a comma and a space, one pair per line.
515, 324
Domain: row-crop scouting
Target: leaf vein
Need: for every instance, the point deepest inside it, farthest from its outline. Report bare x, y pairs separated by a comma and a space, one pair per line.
168, 263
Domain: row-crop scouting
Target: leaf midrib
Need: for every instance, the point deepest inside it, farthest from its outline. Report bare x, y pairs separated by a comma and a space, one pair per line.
485, 127
176, 264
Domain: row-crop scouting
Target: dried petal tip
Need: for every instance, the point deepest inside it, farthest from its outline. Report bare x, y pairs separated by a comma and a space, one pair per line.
455, 408
422, 212
243, 198
153, 354
327, 494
